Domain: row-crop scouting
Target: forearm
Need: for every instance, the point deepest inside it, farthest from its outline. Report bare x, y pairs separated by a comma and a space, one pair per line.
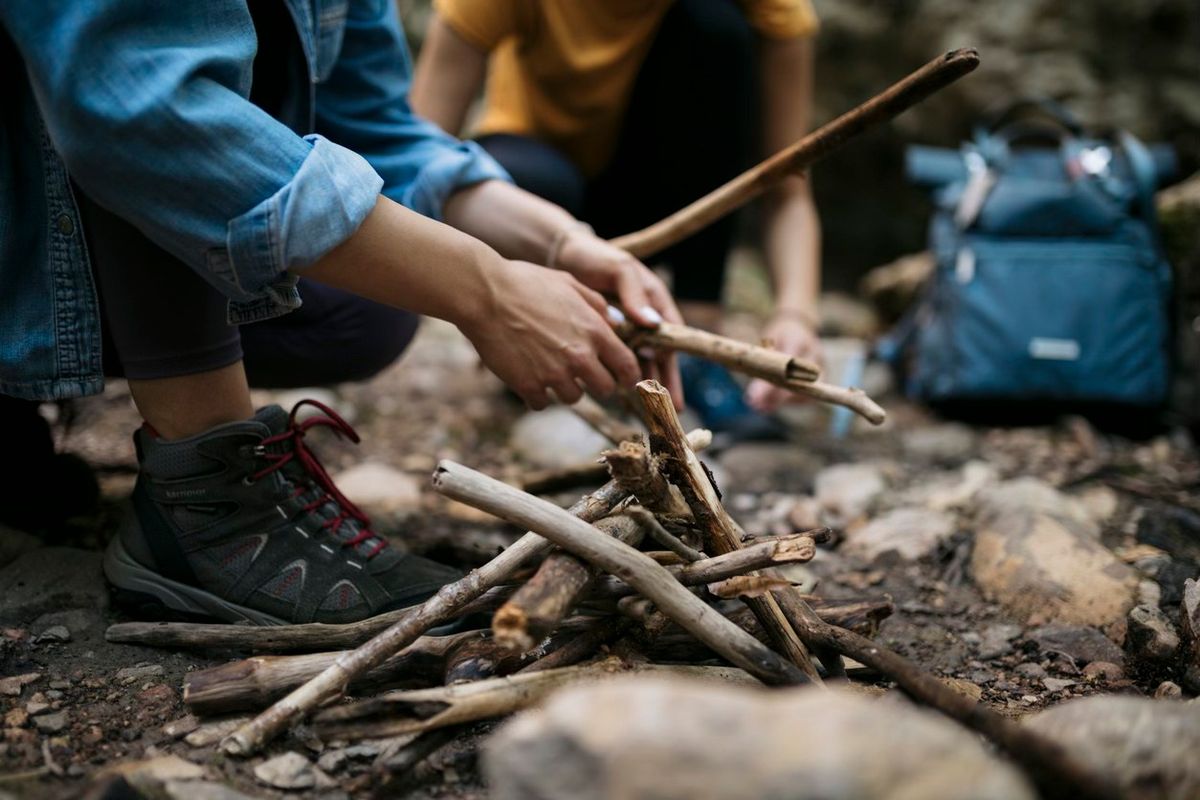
792, 243
515, 222
402, 259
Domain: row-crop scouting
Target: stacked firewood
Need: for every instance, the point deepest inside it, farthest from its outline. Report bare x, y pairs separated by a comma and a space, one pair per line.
647, 573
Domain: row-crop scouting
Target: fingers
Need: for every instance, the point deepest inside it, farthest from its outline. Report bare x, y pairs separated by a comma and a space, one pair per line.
765, 397
636, 301
534, 396
660, 298
617, 357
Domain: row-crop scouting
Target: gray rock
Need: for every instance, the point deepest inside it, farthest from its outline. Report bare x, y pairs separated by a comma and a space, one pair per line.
846, 491
1168, 690
1057, 684
1030, 670
288, 771
946, 443
1103, 671
910, 533
380, 489
51, 723
1036, 554
1082, 643
1144, 747
51, 579
643, 738
55, 633
332, 760
997, 640
555, 437
128, 675
1189, 625
1151, 635
75, 620
13, 684
761, 467
202, 790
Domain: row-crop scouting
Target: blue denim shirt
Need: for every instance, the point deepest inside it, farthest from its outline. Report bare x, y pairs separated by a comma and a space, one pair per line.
144, 104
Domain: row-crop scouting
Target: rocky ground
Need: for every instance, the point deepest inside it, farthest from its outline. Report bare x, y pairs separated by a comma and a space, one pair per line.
1030, 566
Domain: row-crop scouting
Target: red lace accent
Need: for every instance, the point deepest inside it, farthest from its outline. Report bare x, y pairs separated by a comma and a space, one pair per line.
294, 434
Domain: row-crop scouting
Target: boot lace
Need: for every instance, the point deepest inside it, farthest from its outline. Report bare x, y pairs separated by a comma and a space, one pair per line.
292, 447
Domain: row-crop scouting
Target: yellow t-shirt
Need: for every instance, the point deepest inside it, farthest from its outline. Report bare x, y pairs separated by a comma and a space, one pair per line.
563, 70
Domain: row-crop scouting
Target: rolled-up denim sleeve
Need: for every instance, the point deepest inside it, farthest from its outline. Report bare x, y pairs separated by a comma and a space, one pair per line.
364, 106
147, 103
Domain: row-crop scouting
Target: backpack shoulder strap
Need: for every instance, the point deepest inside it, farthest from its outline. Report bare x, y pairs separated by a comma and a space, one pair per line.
1144, 173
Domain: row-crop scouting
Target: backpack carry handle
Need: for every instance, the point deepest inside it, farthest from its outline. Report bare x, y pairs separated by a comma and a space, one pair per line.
1028, 108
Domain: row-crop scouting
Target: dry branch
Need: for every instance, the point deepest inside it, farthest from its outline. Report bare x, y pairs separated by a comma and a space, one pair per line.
611, 428
793, 374
720, 532
443, 606
408, 712
635, 471
647, 577
537, 608
658, 533
935, 75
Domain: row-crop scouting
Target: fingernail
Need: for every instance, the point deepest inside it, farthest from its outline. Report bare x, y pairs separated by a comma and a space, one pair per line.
650, 314
615, 315
647, 353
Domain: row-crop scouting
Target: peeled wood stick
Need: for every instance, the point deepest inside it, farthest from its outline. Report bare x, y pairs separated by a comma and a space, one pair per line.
935, 75
611, 428
408, 712
650, 579
537, 608
443, 606
720, 531
1056, 772
793, 374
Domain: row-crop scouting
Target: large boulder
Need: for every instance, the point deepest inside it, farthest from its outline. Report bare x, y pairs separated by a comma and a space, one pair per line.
1145, 747
1036, 553
643, 739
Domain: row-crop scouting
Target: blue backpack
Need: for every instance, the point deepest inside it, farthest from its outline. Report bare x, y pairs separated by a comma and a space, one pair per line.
1050, 284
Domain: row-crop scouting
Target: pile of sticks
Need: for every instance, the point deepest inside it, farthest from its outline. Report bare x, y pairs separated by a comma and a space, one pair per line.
647, 573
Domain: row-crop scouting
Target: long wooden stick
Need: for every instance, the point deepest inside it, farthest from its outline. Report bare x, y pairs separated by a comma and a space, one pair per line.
721, 532
793, 374
935, 75
443, 606
649, 578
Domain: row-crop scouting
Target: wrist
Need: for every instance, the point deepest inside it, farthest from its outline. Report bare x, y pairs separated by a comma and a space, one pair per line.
798, 313
474, 297
558, 252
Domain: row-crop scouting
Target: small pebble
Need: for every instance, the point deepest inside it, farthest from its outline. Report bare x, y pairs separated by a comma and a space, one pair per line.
1168, 690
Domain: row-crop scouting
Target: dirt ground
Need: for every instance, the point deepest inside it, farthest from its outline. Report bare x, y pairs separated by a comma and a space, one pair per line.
95, 706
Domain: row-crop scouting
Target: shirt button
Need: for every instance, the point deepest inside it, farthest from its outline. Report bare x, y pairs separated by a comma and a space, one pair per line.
66, 225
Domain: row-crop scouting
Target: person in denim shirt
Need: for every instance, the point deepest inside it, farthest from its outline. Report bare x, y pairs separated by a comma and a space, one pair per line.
171, 173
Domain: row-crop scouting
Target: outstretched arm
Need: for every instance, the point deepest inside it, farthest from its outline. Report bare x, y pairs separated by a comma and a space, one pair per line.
449, 74
791, 232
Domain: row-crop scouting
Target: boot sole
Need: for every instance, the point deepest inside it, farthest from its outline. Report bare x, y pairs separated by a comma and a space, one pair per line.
130, 577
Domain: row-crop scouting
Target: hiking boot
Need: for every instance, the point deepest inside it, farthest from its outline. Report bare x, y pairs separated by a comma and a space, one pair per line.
242, 523
718, 400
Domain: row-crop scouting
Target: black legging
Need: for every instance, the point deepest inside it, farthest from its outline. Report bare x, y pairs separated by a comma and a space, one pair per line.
688, 128
161, 320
